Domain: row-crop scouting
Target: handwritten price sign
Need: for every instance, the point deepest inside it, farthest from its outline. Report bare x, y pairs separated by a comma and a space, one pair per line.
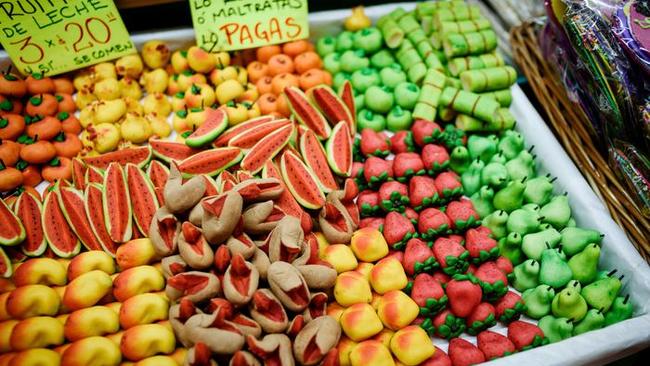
223, 25
55, 36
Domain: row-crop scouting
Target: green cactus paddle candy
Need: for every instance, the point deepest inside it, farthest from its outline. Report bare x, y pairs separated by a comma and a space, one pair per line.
511, 197
594, 319
482, 201
446, 114
484, 80
465, 44
503, 120
459, 64
406, 95
392, 33
496, 222
556, 329
365, 78
575, 239
524, 276
534, 244
469, 103
620, 310
510, 247
602, 293
553, 269
557, 212
568, 303
538, 301
398, 119
584, 265
411, 61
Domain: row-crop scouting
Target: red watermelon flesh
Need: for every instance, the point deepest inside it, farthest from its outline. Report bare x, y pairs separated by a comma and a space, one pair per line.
117, 204
300, 181
144, 202
95, 213
71, 202
233, 131
314, 156
60, 237
139, 156
29, 210
266, 148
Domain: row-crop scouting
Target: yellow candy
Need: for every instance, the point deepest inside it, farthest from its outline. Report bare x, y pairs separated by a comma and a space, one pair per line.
360, 322
32, 300
375, 300
322, 244
335, 310
369, 245
365, 269
157, 361
147, 340
371, 353
92, 321
345, 346
384, 337
351, 288
340, 257
143, 309
411, 345
135, 253
89, 350
36, 332
36, 357
40, 271
388, 275
396, 310
87, 289
6, 327
89, 261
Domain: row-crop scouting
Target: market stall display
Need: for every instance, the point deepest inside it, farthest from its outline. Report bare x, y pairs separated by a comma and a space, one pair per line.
271, 219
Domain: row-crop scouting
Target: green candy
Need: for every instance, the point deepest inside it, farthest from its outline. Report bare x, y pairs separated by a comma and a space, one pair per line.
525, 276
569, 304
379, 99
392, 75
522, 166
511, 144
459, 159
531, 207
368, 119
523, 221
406, 95
575, 239
465, 44
593, 320
482, 147
539, 190
584, 265
339, 79
496, 222
471, 178
534, 244
398, 119
326, 45
556, 329
494, 175
503, 97
344, 41
538, 301
460, 64
471, 104
557, 212
502, 120
365, 78
446, 114
553, 269
382, 59
464, 26
602, 293
510, 247
490, 79
571, 223
482, 201
352, 61
621, 310
368, 39
511, 197
456, 13
332, 63
430, 92
393, 34
359, 101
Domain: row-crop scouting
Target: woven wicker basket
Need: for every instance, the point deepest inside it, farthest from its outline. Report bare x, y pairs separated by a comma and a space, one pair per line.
572, 129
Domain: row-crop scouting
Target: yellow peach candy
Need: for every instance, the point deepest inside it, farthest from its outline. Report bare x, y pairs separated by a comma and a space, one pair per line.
104, 70
166, 324
344, 347
369, 245
365, 269
236, 114
87, 289
218, 76
250, 95
36, 332
222, 59
396, 310
32, 300
155, 81
83, 99
371, 352
4, 314
156, 103
107, 137
60, 290
109, 111
157, 361
178, 102
242, 75
179, 61
412, 345
92, 351
143, 309
360, 322
115, 306
199, 95
107, 89
130, 88
375, 300
84, 80
388, 275
340, 257
62, 318
335, 310
159, 125
61, 349
135, 253
6, 328
351, 288
179, 122
187, 78
229, 90
147, 340
384, 337
137, 280
115, 337
89, 261
36, 357
92, 321
200, 60
40, 271
155, 54
179, 355
129, 65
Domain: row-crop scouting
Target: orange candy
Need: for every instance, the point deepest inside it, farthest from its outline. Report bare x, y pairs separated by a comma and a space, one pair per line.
256, 70
295, 48
307, 60
281, 81
279, 64
266, 52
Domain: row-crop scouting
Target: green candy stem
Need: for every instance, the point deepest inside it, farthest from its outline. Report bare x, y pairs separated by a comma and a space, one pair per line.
483, 80
460, 64
464, 44
471, 104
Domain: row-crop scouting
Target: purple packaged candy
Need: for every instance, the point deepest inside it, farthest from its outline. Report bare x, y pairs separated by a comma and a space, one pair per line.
632, 29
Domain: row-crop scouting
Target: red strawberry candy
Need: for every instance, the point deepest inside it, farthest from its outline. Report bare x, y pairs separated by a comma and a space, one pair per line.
493, 282
471, 269
441, 277
509, 307
402, 141
406, 165
484, 229
418, 258
393, 196
448, 185
377, 170
425, 132
357, 169
374, 143
463, 294
525, 335
433, 222
446, 324
480, 246
397, 230
481, 318
504, 264
462, 215
435, 158
439, 358
457, 238
373, 222
427, 292
368, 203
494, 345
422, 192
451, 256
411, 214
463, 353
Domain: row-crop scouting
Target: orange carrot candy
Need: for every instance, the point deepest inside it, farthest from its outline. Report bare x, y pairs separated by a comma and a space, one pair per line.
307, 60
11, 126
69, 123
256, 70
67, 145
311, 78
282, 81
63, 85
42, 104
58, 168
46, 128
10, 105
264, 85
38, 152
280, 64
37, 83
10, 178
294, 48
265, 53
9, 152
268, 103
31, 174
12, 86
66, 103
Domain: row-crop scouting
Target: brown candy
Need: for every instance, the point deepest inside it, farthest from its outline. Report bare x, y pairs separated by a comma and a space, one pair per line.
274, 349
181, 197
163, 231
195, 286
221, 215
315, 340
257, 190
288, 285
193, 247
261, 218
240, 281
268, 311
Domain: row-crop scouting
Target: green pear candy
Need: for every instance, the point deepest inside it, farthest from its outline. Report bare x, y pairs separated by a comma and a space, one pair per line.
494, 175
459, 159
584, 265
511, 144
523, 221
522, 166
496, 222
482, 147
556, 329
482, 201
539, 190
569, 304
545, 226
553, 269
526, 275
382, 59
471, 178
621, 309
571, 223
531, 207
592, 321
557, 212
359, 101
510, 247
538, 301
498, 158
575, 239
484, 80
601, 293
511, 197
534, 244
602, 274
365, 78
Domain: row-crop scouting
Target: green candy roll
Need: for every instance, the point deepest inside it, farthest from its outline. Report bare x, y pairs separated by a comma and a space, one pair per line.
393, 34
435, 38
446, 114
464, 26
460, 64
426, 22
428, 8
455, 14
440, 55
430, 91
453, 82
493, 78
503, 120
433, 62
469, 103
416, 72
408, 24
424, 111
504, 97
474, 43
397, 14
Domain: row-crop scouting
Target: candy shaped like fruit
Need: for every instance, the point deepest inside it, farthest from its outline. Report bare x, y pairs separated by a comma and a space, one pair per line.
200, 60
388, 275
107, 89
396, 310
352, 288
136, 129
90, 261
130, 65
155, 54
360, 322
411, 345
87, 289
369, 245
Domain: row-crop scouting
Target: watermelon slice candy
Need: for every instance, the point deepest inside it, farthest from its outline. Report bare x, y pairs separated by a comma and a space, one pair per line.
117, 204
12, 231
93, 204
210, 162
301, 181
306, 113
168, 151
339, 150
71, 202
233, 131
313, 154
266, 148
28, 209
249, 138
144, 202
139, 156
60, 237
216, 121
